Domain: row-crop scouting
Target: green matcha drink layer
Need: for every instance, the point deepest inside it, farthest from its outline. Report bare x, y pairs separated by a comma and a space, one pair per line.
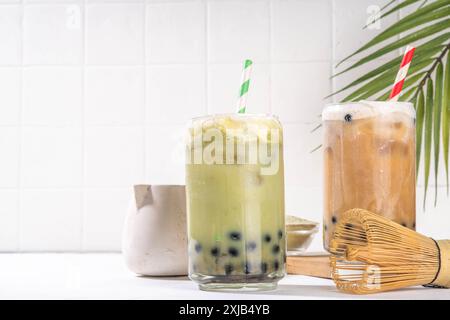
236, 211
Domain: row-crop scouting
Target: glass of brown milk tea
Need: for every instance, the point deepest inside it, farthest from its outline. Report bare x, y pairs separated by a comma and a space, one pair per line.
369, 161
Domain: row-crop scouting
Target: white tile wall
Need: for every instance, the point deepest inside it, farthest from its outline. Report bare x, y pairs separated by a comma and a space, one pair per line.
52, 34
290, 101
104, 214
175, 93
50, 220
10, 82
9, 159
176, 32
113, 156
347, 35
59, 96
433, 220
51, 157
299, 141
95, 94
114, 33
238, 30
312, 21
164, 154
10, 33
114, 95
9, 220
348, 17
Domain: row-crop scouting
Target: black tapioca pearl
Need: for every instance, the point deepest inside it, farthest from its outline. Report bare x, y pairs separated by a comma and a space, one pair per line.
235, 236
263, 267
276, 249
215, 251
414, 225
280, 234
267, 238
334, 219
251, 246
348, 117
198, 247
228, 269
325, 227
276, 265
404, 224
233, 252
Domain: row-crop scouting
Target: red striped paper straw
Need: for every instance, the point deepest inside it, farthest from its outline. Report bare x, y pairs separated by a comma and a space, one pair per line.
402, 72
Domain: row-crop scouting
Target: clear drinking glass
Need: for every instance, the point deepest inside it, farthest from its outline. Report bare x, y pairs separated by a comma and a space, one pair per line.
369, 161
235, 202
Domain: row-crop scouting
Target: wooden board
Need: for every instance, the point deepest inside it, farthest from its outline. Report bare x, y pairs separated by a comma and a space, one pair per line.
314, 265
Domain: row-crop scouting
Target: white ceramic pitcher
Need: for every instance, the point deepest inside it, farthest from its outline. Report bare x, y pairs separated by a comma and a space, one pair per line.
154, 240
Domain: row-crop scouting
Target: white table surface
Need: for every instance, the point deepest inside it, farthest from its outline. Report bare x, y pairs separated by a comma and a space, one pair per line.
104, 276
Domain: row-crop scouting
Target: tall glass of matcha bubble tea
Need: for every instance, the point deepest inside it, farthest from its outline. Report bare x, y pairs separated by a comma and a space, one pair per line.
235, 202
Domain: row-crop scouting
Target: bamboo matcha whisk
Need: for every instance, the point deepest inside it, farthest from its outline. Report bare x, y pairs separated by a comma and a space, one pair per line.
371, 254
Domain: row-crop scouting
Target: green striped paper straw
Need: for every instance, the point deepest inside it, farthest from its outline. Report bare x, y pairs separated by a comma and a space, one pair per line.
245, 83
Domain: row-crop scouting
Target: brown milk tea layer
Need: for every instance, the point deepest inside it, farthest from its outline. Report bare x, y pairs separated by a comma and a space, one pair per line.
369, 161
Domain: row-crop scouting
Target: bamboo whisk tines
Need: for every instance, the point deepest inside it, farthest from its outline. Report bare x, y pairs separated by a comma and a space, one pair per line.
371, 254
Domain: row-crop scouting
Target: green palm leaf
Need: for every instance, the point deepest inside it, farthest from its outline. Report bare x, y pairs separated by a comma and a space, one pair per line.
430, 44
409, 83
407, 93
396, 8
387, 5
419, 17
384, 80
428, 133
420, 112
422, 52
410, 22
446, 116
437, 123
423, 3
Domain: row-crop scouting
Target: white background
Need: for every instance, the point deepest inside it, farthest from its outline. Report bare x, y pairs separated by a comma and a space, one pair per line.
94, 96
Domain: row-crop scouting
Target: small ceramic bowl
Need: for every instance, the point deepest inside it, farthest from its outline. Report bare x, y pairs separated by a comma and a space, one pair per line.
300, 233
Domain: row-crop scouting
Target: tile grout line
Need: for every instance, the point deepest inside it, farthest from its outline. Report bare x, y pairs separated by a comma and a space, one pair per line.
99, 125
145, 98
116, 126
65, 187
20, 130
83, 125
75, 2
271, 15
333, 46
115, 187
156, 64
206, 57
